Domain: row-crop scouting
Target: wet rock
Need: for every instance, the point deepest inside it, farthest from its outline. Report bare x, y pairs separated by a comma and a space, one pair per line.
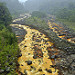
66, 31
57, 56
35, 57
8, 69
22, 73
50, 71
25, 72
10, 63
28, 53
29, 62
62, 34
73, 39
40, 69
21, 65
33, 67
9, 55
72, 64
1, 70
51, 29
20, 55
53, 66
41, 34
17, 64
32, 32
25, 46
37, 40
21, 44
53, 57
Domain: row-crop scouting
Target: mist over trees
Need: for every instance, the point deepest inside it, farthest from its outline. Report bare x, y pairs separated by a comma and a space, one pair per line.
48, 6
63, 9
38, 14
8, 43
5, 17
14, 6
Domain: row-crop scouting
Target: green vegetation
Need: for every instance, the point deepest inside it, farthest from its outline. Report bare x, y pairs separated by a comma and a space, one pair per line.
41, 25
62, 9
70, 25
67, 15
8, 44
38, 14
14, 6
38, 22
5, 17
48, 6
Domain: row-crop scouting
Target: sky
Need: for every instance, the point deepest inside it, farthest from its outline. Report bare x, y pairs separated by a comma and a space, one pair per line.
22, 0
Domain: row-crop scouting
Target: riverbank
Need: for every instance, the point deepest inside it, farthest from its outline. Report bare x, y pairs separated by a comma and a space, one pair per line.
59, 43
8, 51
66, 64
69, 24
35, 50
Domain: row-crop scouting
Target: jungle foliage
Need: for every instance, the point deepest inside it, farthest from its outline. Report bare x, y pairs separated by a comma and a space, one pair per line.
14, 6
35, 21
5, 17
8, 44
38, 14
67, 13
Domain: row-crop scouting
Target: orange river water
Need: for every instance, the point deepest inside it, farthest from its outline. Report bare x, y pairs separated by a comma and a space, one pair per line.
28, 53
56, 31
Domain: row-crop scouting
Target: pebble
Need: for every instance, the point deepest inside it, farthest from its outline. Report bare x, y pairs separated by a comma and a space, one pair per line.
1, 70
29, 62
40, 69
10, 63
20, 55
8, 69
50, 71
53, 57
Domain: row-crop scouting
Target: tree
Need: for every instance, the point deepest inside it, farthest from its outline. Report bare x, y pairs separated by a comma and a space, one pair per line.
38, 14
5, 17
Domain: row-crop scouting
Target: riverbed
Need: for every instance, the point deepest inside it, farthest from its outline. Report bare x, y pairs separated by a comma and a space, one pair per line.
35, 57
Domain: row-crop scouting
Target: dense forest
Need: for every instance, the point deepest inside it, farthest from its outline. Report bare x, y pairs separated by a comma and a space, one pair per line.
8, 43
47, 5
14, 6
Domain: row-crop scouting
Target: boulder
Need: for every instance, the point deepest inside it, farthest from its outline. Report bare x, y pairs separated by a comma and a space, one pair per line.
50, 71
29, 62
1, 70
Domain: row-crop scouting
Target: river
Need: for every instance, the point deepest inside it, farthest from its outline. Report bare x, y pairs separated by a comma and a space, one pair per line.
35, 59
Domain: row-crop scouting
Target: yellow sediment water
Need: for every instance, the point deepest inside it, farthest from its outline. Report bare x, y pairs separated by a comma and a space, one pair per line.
56, 31
26, 47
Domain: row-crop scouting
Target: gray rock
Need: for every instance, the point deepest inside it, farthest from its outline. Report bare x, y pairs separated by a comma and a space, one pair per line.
50, 71
10, 63
8, 69
29, 62
53, 57
1, 70
20, 55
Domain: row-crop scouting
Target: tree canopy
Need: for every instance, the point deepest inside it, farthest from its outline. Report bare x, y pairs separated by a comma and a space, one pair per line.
38, 14
8, 43
14, 6
5, 17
